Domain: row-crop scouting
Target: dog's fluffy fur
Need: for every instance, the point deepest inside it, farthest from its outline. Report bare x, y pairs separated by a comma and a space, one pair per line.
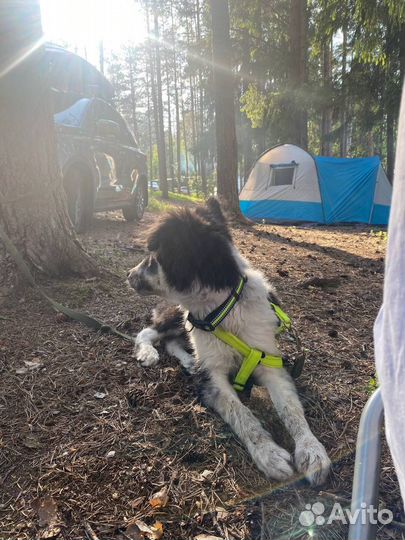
194, 263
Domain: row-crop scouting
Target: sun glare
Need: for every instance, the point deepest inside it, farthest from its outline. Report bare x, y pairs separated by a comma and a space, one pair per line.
82, 24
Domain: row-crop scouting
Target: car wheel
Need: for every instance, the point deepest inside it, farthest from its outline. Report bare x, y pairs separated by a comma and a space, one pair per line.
136, 209
79, 200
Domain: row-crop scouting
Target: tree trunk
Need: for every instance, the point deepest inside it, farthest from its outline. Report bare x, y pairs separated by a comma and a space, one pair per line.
176, 103
133, 100
227, 150
201, 91
326, 124
152, 84
169, 123
149, 125
298, 71
343, 113
183, 116
33, 208
161, 132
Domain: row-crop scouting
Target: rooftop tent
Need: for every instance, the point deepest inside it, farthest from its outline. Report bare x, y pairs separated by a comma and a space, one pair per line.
288, 184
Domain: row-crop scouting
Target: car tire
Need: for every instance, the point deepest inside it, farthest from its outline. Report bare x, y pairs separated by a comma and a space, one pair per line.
79, 199
136, 209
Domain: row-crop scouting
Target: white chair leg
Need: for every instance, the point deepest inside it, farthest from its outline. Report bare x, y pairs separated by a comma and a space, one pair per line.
367, 469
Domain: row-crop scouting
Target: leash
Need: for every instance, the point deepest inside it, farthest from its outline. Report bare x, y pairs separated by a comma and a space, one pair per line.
73, 314
251, 357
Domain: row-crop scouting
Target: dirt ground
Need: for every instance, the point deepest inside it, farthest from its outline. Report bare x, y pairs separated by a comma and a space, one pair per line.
88, 438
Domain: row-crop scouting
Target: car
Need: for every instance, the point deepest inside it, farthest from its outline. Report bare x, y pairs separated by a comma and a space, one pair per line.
184, 189
154, 185
101, 163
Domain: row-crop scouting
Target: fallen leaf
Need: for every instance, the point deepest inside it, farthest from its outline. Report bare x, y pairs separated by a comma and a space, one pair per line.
35, 363
21, 371
136, 502
221, 513
155, 532
110, 454
207, 474
47, 510
100, 395
31, 441
159, 499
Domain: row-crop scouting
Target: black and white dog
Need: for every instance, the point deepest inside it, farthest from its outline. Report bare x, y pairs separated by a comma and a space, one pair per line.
194, 263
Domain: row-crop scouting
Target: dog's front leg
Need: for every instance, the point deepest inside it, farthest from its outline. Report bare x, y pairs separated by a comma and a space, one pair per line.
311, 458
270, 458
144, 351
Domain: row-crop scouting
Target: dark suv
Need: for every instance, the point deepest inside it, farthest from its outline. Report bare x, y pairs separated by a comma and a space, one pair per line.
102, 166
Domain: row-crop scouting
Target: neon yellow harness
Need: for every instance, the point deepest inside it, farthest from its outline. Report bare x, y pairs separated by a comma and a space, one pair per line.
251, 357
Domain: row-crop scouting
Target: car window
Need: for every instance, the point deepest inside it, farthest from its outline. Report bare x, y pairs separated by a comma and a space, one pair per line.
73, 115
106, 112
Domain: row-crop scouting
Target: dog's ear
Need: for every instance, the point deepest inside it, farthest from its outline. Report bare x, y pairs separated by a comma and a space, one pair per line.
154, 238
214, 207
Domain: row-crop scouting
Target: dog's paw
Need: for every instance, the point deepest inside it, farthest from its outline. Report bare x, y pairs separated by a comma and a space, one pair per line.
146, 355
312, 460
274, 461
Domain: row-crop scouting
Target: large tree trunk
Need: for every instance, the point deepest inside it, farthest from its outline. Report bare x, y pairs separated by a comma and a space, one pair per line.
326, 122
298, 71
227, 150
133, 99
169, 124
32, 201
343, 110
161, 134
201, 114
152, 79
176, 103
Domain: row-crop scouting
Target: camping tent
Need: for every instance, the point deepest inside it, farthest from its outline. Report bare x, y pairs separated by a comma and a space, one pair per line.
288, 184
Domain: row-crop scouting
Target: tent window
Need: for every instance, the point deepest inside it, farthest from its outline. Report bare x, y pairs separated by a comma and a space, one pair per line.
283, 174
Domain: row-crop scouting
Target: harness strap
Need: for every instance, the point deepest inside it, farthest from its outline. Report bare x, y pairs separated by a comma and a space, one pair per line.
213, 319
252, 358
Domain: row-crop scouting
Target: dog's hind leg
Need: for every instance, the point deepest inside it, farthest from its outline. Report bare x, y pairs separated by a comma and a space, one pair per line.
270, 458
311, 458
144, 351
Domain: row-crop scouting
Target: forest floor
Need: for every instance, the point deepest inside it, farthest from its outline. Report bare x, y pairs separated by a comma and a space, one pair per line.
89, 438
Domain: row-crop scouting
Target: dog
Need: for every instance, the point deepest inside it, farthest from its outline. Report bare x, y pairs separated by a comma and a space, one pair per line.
193, 263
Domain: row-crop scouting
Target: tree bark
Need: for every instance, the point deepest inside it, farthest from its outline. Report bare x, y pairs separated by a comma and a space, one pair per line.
33, 208
169, 123
201, 115
298, 71
326, 123
161, 127
227, 150
343, 113
133, 99
176, 102
152, 72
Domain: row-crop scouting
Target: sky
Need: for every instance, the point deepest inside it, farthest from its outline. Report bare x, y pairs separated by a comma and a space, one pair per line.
82, 24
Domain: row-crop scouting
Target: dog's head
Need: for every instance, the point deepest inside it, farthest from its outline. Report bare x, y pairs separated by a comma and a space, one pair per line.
189, 248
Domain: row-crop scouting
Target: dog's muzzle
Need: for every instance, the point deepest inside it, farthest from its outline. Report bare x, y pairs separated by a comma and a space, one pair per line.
138, 282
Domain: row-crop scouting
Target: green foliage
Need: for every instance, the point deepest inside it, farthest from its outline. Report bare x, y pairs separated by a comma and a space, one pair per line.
254, 105
372, 386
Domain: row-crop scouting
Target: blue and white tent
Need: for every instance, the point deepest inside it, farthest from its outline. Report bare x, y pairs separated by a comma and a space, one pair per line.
288, 184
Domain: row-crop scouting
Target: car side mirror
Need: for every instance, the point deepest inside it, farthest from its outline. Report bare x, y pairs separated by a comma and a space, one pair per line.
107, 128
